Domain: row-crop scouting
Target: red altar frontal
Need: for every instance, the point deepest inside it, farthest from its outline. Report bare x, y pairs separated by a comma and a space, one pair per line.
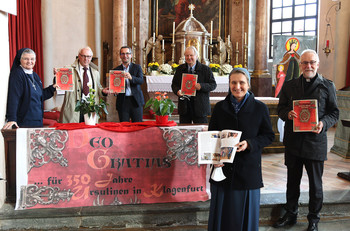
95, 167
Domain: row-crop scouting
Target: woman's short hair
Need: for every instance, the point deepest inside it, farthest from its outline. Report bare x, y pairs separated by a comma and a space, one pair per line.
28, 51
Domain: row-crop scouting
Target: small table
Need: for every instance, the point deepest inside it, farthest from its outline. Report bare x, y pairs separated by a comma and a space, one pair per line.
345, 175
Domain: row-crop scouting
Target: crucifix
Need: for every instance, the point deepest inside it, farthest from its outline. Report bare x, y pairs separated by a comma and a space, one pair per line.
191, 7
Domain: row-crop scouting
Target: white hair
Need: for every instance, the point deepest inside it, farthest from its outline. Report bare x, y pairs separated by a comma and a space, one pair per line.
92, 53
312, 52
194, 50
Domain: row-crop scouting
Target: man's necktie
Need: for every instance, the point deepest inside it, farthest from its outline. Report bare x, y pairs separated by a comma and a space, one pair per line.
85, 82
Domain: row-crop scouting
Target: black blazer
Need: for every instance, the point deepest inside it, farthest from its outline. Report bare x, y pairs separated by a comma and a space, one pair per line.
135, 85
201, 100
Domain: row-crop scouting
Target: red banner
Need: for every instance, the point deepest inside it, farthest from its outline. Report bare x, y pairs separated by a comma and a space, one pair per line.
93, 167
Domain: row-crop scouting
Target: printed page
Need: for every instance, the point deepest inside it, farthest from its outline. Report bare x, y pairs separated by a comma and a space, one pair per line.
209, 147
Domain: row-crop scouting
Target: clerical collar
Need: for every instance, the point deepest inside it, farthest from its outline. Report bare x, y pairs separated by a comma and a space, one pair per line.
27, 71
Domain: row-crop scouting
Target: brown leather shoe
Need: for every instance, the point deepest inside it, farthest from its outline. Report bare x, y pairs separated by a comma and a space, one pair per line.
287, 219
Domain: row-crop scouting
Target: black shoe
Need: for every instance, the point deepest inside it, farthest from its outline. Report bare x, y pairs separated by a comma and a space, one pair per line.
287, 219
312, 227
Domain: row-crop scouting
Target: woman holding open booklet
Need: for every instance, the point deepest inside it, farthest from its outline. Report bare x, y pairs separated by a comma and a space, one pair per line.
235, 197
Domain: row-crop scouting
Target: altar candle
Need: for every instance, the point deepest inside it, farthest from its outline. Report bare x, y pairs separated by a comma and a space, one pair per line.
163, 44
211, 32
173, 32
245, 38
236, 45
134, 34
154, 37
327, 43
228, 38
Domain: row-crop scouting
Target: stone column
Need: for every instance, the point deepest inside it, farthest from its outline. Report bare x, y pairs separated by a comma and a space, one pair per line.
120, 9
261, 79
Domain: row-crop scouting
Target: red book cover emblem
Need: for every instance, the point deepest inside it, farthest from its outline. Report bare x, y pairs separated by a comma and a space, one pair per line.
64, 79
188, 84
116, 81
307, 118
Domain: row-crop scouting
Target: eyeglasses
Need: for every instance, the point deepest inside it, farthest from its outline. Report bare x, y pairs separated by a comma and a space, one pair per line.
86, 56
125, 53
312, 62
28, 59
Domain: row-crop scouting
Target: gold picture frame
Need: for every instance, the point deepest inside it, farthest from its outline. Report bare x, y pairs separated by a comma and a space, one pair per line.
165, 12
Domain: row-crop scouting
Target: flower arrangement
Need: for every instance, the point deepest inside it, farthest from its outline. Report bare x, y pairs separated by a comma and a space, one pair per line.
88, 105
165, 69
226, 69
174, 66
161, 104
153, 66
214, 67
237, 66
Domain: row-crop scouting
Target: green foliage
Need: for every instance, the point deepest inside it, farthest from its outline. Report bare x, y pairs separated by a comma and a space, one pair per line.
88, 105
161, 104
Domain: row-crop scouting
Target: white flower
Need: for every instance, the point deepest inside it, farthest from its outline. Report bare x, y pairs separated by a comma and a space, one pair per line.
89, 84
165, 68
226, 69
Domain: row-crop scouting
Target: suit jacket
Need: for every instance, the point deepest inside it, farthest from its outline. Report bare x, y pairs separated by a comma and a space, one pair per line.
68, 115
201, 100
308, 145
135, 85
254, 121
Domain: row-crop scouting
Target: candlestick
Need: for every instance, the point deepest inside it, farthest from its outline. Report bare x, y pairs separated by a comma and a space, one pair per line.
173, 32
211, 32
163, 44
134, 35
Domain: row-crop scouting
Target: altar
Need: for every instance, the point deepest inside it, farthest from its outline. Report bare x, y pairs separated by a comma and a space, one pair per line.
162, 83
98, 166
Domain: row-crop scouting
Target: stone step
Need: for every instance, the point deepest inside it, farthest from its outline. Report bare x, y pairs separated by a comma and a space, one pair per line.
169, 216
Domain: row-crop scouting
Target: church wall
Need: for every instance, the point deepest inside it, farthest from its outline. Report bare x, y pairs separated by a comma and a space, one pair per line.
4, 74
69, 25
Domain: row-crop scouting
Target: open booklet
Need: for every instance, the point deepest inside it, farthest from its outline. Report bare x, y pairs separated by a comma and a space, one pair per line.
215, 147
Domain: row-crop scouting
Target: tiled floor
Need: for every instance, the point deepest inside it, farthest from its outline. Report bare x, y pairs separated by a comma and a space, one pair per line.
275, 172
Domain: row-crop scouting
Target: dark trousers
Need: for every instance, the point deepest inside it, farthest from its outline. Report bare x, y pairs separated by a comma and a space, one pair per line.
190, 115
130, 110
314, 171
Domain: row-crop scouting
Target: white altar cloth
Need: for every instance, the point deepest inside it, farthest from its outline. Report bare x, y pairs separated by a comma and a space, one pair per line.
162, 83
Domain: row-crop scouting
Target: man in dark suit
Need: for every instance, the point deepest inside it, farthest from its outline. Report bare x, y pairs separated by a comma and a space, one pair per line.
130, 104
195, 108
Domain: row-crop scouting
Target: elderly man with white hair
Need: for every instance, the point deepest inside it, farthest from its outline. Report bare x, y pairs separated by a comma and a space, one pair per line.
85, 76
306, 149
195, 108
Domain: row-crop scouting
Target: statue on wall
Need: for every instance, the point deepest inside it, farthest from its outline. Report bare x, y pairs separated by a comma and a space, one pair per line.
158, 48
220, 57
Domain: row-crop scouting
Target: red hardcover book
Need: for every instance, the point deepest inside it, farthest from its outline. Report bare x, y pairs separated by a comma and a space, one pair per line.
64, 79
307, 118
188, 84
116, 81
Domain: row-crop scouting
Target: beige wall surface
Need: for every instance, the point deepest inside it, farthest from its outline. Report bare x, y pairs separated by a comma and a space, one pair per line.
69, 25
334, 65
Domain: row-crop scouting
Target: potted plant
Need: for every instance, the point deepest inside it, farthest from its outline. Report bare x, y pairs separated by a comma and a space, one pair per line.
165, 69
214, 68
153, 68
91, 109
162, 106
174, 66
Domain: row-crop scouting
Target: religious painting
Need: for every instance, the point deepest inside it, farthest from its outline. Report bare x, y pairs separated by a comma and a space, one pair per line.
286, 57
205, 11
